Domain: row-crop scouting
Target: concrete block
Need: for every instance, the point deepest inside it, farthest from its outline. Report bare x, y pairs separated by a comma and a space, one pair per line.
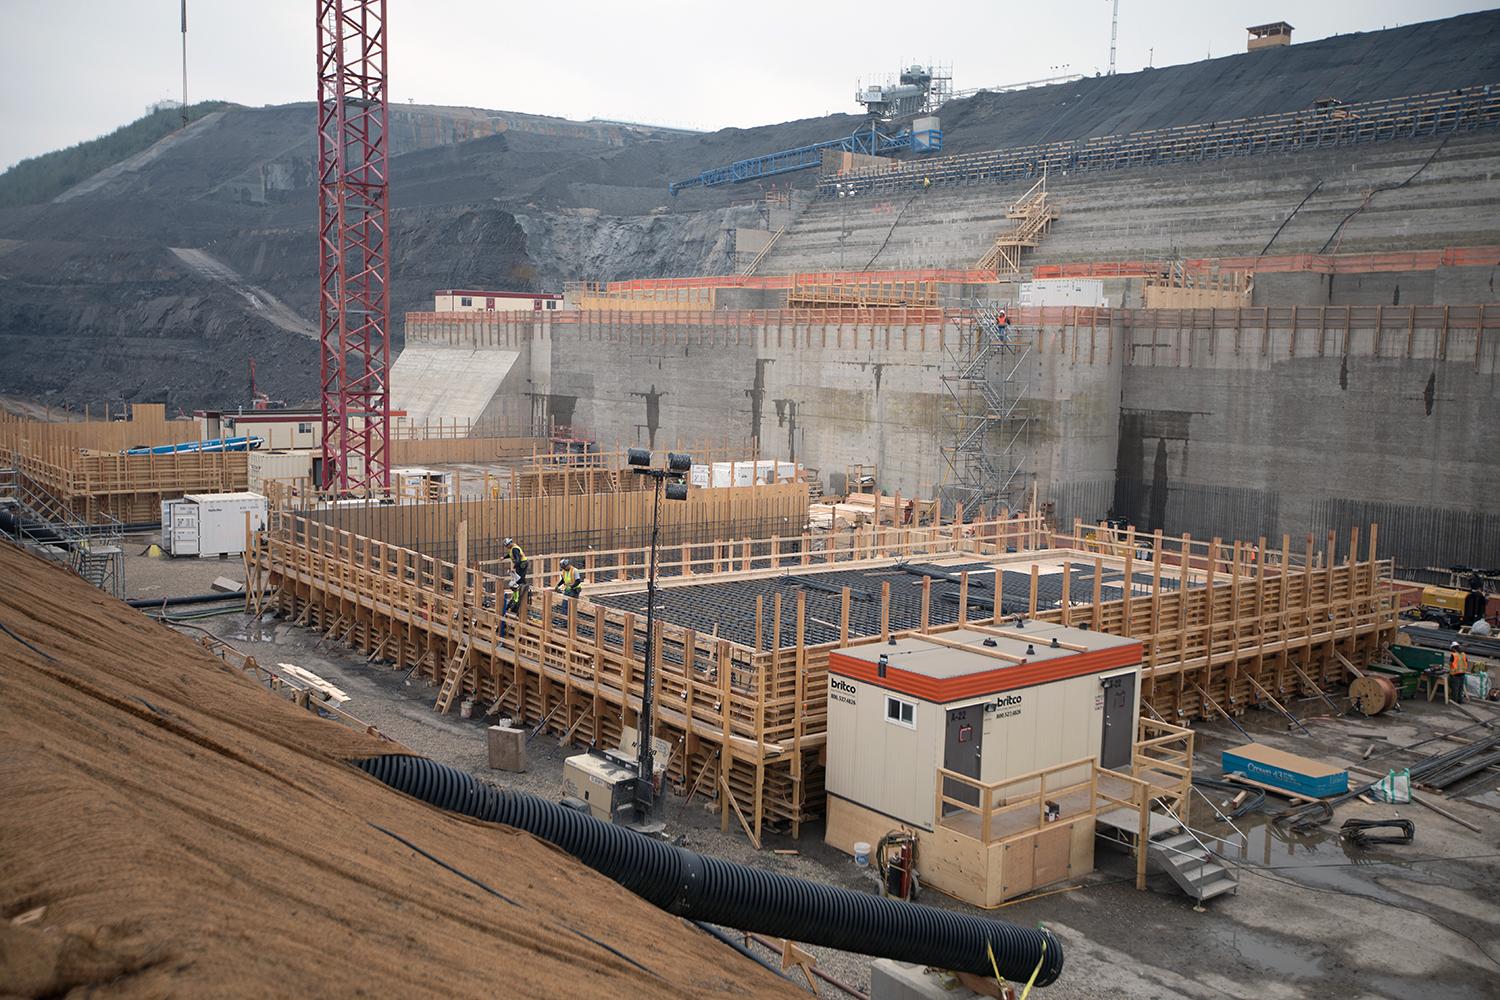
903, 981
507, 748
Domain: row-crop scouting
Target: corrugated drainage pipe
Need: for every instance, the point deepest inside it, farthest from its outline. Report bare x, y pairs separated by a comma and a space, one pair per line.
721, 892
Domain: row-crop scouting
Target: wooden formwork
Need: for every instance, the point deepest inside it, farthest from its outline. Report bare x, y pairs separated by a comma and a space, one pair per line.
1224, 628
573, 524
148, 425
746, 723
131, 488
81, 464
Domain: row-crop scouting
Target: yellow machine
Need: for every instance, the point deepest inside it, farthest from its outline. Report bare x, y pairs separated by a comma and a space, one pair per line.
1450, 607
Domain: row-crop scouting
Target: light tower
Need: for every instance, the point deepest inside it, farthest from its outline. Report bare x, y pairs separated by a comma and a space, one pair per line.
354, 309
1114, 31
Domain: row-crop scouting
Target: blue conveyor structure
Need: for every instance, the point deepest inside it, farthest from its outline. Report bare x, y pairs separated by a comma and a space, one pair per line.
869, 140
199, 447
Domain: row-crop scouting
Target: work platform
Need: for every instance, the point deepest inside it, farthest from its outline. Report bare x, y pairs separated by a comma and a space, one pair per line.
742, 697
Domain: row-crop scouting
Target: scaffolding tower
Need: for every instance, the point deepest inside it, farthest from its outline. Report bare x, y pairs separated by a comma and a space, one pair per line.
988, 374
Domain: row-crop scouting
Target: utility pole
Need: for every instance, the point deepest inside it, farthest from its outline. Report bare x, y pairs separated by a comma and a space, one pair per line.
1115, 30
184, 64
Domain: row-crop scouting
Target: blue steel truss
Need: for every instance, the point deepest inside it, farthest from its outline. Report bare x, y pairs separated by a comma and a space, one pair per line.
869, 140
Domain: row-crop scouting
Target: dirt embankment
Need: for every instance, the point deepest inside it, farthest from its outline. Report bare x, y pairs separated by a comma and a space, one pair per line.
172, 829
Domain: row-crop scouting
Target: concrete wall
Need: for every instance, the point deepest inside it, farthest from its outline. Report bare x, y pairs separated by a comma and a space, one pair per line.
1267, 438
1236, 423
823, 406
827, 394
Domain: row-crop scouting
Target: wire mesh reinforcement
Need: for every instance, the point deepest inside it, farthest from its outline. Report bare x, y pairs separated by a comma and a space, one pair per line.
729, 606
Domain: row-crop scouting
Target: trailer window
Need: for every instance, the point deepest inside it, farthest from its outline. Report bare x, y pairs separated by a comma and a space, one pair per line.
902, 713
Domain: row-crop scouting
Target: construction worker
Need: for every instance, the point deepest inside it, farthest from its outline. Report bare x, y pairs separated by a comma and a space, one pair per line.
909, 512
1458, 670
510, 604
519, 564
570, 583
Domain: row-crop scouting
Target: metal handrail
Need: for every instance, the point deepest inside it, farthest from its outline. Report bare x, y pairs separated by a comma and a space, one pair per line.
1224, 819
1191, 833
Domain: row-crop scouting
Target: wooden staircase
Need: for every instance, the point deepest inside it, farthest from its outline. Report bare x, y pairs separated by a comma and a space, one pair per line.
453, 677
754, 263
1033, 216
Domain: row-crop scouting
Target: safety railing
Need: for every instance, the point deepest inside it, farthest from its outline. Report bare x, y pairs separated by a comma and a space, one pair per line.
998, 811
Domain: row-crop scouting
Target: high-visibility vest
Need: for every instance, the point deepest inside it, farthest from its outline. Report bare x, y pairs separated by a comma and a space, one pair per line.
570, 578
517, 556
1458, 662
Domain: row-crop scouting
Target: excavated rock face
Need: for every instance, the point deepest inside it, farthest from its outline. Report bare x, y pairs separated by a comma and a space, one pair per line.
522, 202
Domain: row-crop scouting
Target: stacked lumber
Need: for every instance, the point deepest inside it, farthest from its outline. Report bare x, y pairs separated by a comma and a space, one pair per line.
838, 516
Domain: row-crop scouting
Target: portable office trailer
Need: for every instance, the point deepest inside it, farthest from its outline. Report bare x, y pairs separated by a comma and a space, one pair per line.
1017, 717
210, 524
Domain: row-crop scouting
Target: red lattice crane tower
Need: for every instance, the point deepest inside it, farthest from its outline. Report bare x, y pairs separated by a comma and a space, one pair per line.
354, 264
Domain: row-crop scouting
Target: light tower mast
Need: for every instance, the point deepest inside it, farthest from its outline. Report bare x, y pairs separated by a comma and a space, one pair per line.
1114, 31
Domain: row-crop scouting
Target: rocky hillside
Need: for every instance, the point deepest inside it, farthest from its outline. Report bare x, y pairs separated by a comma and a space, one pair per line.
95, 304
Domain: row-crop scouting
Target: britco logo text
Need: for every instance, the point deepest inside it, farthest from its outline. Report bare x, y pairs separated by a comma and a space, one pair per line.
842, 691
1005, 706
843, 686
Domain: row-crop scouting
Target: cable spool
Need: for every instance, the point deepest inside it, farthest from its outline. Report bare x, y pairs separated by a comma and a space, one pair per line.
1372, 694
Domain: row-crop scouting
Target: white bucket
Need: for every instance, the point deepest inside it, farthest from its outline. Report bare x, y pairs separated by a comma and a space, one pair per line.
861, 853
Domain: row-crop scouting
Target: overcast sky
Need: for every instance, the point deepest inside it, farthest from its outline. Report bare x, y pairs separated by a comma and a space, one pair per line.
71, 70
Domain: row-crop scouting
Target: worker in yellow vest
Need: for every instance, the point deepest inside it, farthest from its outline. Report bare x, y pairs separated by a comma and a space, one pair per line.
570, 583
519, 564
1458, 670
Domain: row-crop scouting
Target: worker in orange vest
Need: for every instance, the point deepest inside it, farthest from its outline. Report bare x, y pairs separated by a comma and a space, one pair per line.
1458, 669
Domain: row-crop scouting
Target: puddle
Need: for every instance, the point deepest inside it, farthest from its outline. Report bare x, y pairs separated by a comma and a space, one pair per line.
251, 630
1321, 859
1267, 952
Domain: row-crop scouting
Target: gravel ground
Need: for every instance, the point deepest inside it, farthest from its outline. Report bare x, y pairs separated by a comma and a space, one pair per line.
1313, 917
164, 576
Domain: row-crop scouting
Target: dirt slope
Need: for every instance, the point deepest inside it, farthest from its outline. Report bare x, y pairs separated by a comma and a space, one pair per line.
189, 834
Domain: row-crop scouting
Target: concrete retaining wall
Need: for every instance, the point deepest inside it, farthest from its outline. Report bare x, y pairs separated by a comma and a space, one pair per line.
1237, 423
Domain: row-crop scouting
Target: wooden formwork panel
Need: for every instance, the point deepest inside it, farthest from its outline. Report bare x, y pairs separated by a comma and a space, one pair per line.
752, 720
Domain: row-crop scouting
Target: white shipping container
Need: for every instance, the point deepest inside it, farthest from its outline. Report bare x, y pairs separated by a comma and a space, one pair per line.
285, 466
211, 524
1063, 292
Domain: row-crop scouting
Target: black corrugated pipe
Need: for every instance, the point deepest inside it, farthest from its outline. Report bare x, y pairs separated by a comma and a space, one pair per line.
37, 531
156, 602
699, 887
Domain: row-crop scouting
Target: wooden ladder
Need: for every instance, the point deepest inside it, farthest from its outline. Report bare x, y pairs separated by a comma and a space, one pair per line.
453, 677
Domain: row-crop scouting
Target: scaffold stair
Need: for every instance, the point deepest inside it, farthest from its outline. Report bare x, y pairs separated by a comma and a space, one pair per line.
1033, 216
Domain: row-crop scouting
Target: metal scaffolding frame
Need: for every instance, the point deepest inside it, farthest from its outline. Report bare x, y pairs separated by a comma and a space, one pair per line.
353, 245
45, 524
986, 373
